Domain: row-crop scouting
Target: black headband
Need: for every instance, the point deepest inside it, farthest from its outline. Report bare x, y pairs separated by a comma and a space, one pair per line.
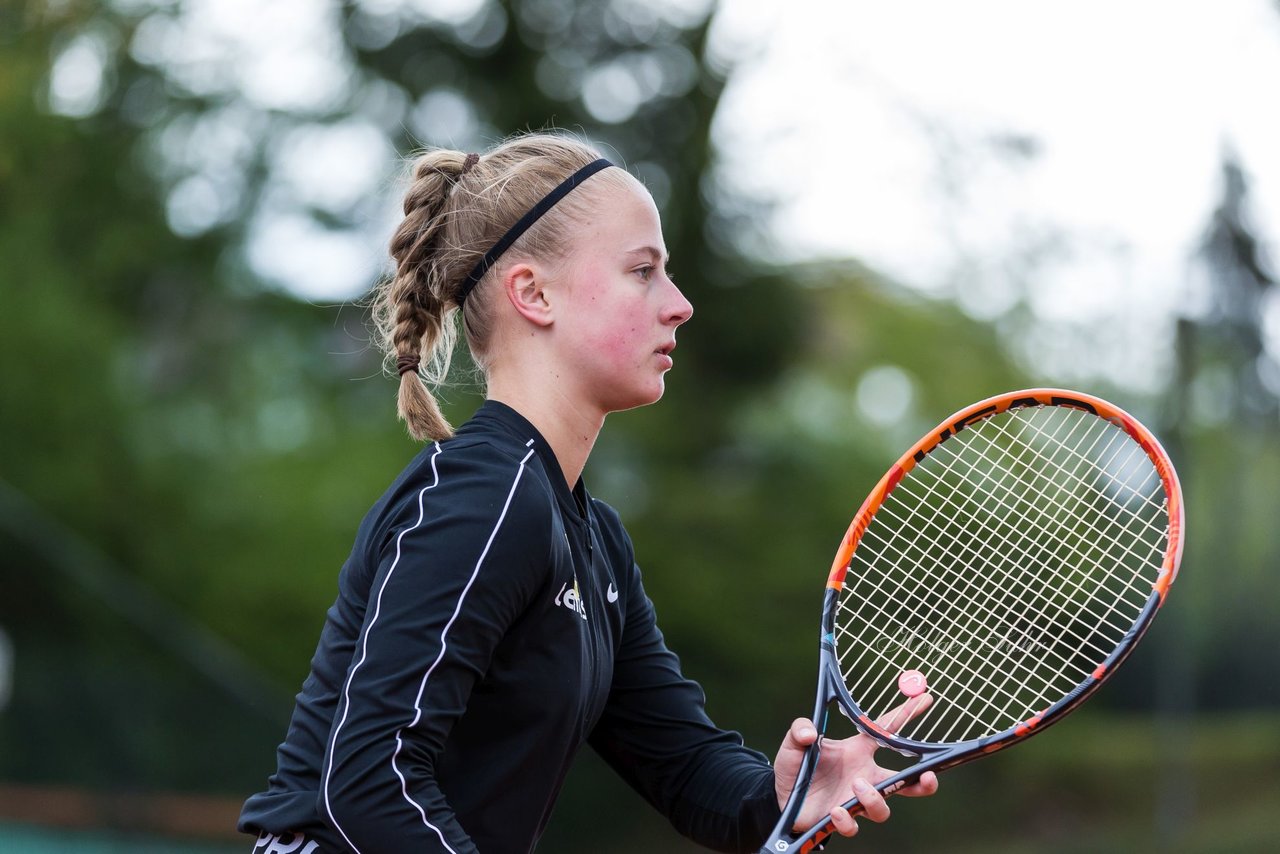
522, 225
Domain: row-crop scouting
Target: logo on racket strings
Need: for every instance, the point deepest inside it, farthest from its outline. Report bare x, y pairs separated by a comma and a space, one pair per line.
1021, 641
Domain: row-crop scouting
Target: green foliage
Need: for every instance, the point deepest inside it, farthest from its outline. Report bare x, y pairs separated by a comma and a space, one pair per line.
215, 439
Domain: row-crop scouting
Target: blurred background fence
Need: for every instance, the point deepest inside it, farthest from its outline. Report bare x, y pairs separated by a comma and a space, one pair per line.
193, 197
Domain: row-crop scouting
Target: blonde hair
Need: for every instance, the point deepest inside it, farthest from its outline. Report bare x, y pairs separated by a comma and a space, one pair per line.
456, 208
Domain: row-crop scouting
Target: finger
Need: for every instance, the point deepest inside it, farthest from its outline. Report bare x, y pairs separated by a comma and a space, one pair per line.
897, 717
843, 822
801, 734
872, 801
927, 785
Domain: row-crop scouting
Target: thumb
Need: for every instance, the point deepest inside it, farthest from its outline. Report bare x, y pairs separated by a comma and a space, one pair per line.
801, 734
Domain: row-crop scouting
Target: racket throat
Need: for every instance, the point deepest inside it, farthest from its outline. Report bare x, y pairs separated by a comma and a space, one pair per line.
781, 839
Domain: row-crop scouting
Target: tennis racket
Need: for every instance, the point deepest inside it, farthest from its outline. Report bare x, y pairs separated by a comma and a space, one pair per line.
1006, 564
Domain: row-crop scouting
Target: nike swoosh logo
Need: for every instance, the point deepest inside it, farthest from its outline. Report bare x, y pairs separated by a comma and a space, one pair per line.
611, 594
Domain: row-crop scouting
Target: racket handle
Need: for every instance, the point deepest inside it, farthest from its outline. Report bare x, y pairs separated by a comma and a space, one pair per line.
815, 842
825, 830
819, 834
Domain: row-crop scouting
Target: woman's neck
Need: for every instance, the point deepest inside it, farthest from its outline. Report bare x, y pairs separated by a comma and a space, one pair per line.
568, 429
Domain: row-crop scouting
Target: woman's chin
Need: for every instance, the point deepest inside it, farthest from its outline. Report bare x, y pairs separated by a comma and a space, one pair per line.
646, 397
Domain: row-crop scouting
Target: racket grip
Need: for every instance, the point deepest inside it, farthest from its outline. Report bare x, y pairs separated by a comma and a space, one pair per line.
825, 830
815, 843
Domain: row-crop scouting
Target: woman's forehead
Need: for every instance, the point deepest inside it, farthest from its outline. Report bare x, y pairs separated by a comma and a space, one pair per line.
627, 210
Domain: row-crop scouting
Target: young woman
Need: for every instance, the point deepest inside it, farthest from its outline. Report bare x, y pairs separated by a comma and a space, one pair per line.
491, 618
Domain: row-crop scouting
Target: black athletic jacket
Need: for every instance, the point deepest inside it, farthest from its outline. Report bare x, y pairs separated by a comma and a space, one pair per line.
488, 622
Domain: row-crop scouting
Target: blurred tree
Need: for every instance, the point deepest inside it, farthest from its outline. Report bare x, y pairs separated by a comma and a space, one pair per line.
223, 456
1221, 426
1225, 408
100, 301
180, 420
193, 421
1240, 287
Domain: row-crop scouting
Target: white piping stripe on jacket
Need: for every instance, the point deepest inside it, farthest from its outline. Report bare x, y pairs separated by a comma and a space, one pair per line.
364, 650
422, 687
443, 642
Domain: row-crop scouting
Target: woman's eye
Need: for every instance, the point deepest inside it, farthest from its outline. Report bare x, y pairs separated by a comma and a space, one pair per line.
645, 273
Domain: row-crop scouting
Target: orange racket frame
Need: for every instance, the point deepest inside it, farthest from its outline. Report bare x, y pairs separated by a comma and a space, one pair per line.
831, 685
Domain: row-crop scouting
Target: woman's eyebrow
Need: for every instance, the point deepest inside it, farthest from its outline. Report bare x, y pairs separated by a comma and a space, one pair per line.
652, 252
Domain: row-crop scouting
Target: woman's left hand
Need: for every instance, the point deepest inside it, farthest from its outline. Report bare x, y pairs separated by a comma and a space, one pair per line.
846, 768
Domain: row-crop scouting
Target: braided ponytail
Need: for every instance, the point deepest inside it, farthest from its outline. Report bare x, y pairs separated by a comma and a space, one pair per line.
411, 309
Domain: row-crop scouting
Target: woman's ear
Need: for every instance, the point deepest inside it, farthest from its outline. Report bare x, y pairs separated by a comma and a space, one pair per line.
523, 285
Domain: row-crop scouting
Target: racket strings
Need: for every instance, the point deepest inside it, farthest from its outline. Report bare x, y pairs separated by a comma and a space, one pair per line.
1135, 454
1054, 499
1034, 629
1037, 526
940, 641
937, 664
889, 665
1030, 629
1019, 633
959, 598
1120, 484
1005, 567
973, 554
939, 638
1134, 547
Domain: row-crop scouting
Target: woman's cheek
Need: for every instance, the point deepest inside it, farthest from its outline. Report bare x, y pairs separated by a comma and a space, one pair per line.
617, 347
